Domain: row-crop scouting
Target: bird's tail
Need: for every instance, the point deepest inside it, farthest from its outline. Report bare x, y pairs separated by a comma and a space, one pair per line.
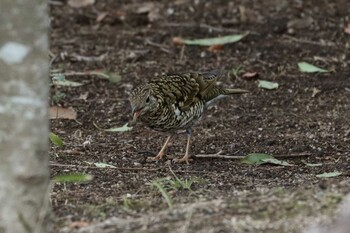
217, 93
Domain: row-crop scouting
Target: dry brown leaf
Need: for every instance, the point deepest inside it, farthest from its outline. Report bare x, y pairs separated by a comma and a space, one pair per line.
250, 75
216, 48
62, 113
300, 23
154, 15
83, 96
347, 29
80, 3
101, 16
79, 224
144, 8
150, 8
315, 91
177, 41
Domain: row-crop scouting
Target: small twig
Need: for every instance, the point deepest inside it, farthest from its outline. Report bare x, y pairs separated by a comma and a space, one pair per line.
202, 25
53, 58
330, 44
182, 53
219, 155
162, 47
83, 73
116, 168
192, 171
89, 58
293, 155
171, 170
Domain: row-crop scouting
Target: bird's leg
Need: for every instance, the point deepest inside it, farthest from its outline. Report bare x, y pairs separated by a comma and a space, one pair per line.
161, 152
185, 158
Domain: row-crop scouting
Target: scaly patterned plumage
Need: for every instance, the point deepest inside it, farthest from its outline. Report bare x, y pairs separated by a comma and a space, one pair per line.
173, 102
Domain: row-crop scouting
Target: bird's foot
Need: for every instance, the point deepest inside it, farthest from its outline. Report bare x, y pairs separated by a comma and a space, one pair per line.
156, 158
184, 159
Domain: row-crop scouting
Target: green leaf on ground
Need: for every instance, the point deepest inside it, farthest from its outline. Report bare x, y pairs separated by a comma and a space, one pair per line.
115, 129
260, 158
328, 174
276, 162
114, 77
256, 158
312, 164
55, 139
60, 80
267, 85
211, 41
72, 178
309, 68
103, 165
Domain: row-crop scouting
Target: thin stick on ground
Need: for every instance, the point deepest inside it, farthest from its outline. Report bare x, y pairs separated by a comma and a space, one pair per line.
84, 73
305, 41
116, 168
219, 155
162, 47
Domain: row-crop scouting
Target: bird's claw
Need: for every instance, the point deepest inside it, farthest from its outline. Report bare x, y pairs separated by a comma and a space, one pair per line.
156, 158
182, 160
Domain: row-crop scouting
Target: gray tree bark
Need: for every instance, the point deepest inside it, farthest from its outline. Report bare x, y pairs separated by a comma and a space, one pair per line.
24, 176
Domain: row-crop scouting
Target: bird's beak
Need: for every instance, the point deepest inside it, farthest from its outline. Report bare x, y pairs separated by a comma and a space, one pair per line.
135, 114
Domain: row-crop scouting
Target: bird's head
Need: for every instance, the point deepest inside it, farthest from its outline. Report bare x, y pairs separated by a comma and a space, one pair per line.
141, 101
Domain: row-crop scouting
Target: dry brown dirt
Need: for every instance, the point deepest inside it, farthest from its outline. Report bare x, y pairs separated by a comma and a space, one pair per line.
305, 120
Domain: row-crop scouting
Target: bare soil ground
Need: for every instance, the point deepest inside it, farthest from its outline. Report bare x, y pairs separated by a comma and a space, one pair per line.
305, 120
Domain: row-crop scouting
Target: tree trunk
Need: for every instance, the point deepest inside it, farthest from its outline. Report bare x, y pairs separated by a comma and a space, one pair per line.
24, 176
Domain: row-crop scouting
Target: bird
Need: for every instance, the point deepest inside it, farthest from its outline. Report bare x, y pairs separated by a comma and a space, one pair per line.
170, 103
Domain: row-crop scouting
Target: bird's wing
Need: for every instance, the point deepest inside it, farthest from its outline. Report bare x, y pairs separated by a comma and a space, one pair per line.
184, 90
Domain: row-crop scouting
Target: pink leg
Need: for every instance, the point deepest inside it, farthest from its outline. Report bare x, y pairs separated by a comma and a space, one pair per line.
161, 152
186, 156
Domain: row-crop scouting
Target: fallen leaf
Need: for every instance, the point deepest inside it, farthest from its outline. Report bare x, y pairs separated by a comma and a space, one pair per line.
276, 162
256, 158
60, 80
101, 16
315, 91
80, 3
347, 29
55, 139
267, 85
83, 96
177, 41
312, 164
114, 77
300, 23
67, 83
328, 174
309, 68
116, 129
144, 7
62, 113
78, 57
250, 75
261, 158
103, 165
152, 10
72, 178
119, 129
216, 48
79, 224
210, 41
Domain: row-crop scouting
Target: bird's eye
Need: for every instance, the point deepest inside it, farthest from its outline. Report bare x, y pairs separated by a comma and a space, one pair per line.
147, 100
